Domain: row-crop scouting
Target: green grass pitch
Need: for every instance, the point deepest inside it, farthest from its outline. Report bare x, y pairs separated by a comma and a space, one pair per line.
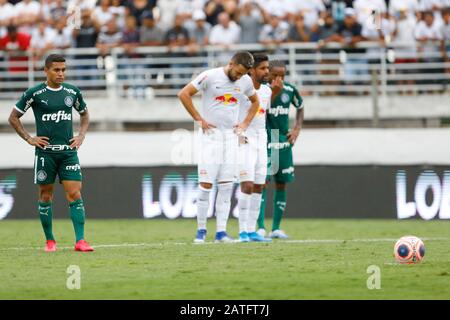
155, 259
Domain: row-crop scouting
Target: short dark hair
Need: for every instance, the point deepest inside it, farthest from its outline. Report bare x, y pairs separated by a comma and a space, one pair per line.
243, 58
277, 64
54, 58
259, 57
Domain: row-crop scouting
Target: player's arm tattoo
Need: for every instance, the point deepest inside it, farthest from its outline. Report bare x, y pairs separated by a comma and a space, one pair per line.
299, 116
295, 132
84, 123
14, 121
77, 141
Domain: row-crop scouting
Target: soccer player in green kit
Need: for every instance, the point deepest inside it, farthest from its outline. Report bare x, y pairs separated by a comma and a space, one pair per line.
55, 146
282, 139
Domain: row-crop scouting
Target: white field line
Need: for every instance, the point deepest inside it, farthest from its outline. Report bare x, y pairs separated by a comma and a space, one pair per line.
359, 240
156, 244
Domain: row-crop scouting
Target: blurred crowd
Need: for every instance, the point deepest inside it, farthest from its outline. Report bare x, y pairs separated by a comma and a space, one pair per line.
412, 27
48, 24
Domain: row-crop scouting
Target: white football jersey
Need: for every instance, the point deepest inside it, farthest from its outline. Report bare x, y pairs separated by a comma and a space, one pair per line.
222, 97
259, 121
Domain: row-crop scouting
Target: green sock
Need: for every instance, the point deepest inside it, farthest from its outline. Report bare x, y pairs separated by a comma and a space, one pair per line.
279, 205
262, 210
46, 215
77, 215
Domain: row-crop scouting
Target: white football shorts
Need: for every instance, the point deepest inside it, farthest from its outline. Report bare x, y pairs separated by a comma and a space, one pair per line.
217, 157
252, 157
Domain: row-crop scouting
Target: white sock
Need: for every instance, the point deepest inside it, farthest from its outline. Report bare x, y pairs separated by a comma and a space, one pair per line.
202, 207
244, 210
255, 206
223, 204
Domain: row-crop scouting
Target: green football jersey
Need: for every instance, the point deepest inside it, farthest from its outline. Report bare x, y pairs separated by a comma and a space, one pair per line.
278, 113
53, 113
277, 121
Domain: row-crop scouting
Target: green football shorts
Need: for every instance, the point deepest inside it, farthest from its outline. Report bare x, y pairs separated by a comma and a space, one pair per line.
281, 167
47, 165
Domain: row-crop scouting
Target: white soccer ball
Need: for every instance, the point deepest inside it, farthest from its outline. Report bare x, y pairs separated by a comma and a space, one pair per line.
409, 249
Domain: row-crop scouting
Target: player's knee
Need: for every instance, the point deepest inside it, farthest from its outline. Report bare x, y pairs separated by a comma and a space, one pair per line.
206, 185
73, 195
46, 197
258, 188
280, 186
45, 194
247, 187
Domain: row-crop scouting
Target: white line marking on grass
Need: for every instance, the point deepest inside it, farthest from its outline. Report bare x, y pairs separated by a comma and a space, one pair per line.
356, 240
159, 244
119, 245
21, 248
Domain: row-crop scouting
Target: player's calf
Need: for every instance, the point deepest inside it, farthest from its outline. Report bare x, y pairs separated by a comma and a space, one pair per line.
202, 212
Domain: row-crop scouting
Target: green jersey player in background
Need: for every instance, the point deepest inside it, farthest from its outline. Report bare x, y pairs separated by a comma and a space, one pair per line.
55, 146
281, 139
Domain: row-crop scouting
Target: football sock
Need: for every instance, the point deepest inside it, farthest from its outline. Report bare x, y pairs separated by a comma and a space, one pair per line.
77, 215
244, 208
262, 210
255, 204
223, 203
46, 216
202, 207
279, 205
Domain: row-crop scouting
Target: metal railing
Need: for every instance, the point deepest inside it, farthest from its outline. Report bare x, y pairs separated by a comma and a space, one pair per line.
155, 71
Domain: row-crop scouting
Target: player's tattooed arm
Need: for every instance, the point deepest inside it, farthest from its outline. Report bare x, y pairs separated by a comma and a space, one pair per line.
77, 141
14, 121
185, 95
295, 132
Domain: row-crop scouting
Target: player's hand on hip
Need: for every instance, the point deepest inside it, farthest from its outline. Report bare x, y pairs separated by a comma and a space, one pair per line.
76, 141
40, 142
206, 126
242, 139
293, 135
240, 128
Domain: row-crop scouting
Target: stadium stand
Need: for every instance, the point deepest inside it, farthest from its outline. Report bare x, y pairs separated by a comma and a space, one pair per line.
367, 57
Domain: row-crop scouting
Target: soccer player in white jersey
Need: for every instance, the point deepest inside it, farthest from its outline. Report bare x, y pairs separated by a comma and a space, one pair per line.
224, 89
253, 154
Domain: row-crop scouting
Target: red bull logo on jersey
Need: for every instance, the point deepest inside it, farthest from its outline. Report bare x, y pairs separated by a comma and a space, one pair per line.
261, 112
227, 99
57, 117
